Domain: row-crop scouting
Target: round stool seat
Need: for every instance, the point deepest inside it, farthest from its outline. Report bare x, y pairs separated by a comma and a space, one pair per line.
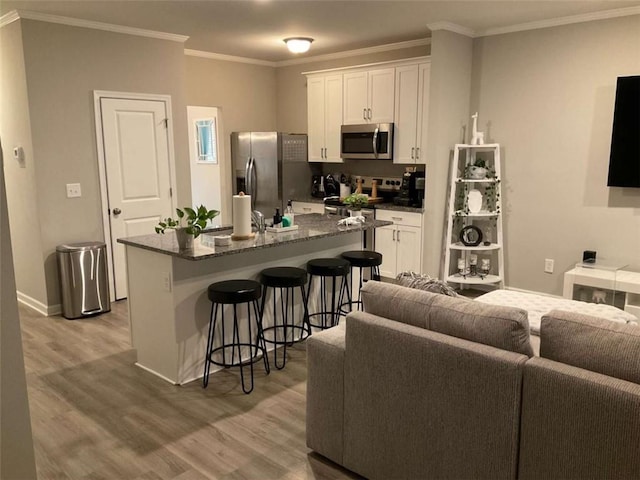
234, 291
283, 277
328, 267
363, 258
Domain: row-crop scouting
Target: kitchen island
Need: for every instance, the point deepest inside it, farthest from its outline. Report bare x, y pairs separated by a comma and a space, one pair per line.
168, 305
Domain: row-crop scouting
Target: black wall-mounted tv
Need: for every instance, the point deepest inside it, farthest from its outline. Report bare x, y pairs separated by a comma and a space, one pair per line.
624, 162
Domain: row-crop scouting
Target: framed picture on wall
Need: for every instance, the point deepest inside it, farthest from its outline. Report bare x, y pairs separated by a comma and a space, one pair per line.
207, 140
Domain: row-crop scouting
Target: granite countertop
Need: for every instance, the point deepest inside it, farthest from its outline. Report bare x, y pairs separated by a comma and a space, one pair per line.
376, 206
310, 227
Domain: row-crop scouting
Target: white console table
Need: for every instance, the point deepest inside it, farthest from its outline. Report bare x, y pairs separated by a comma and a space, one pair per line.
620, 279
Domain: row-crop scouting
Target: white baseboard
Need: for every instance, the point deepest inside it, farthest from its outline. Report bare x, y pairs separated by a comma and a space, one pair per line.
46, 310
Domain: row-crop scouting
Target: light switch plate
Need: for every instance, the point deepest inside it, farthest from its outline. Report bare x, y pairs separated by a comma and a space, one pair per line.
73, 190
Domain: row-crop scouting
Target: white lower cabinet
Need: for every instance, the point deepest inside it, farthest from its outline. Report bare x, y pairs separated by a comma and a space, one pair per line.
401, 243
301, 208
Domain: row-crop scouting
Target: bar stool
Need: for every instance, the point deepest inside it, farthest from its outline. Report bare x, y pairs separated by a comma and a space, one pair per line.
329, 268
362, 259
286, 279
234, 292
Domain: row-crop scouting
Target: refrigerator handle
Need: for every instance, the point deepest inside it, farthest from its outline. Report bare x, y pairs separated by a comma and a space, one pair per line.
247, 180
253, 191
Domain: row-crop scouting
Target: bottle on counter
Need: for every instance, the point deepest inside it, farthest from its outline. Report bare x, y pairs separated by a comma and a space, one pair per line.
277, 219
288, 214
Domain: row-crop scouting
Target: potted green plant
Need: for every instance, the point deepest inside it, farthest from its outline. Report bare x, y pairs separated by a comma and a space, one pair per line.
188, 225
356, 201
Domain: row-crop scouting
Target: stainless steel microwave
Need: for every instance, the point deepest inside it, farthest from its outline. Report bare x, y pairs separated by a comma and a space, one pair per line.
367, 141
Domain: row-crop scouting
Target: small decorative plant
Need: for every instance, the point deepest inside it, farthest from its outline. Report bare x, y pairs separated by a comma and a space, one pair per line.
191, 221
476, 170
356, 200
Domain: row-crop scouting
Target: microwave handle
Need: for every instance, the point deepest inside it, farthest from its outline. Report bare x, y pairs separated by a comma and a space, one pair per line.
375, 142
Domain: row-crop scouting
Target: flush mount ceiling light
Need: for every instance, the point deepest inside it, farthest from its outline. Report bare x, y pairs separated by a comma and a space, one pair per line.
298, 44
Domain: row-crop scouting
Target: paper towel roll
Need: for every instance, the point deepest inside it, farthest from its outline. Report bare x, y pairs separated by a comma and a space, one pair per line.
241, 215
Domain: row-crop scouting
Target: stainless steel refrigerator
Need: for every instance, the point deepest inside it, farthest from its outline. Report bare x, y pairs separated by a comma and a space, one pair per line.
272, 167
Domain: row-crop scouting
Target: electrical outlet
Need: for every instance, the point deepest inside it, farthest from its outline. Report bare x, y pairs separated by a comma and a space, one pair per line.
166, 282
73, 190
548, 265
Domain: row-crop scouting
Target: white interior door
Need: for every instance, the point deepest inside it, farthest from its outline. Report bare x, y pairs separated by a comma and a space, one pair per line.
136, 152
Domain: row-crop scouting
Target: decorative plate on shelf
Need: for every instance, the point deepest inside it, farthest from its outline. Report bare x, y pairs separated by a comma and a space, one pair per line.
471, 236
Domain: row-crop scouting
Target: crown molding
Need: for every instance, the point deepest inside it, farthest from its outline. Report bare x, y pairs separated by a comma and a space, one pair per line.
228, 58
452, 27
556, 22
76, 22
354, 53
8, 18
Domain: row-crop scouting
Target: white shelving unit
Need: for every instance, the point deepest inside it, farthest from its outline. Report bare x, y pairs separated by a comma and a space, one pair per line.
485, 216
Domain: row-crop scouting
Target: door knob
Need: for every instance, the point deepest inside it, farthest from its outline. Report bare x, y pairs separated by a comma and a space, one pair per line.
117, 211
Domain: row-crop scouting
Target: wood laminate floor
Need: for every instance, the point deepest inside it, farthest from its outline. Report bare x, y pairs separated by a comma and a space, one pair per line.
95, 415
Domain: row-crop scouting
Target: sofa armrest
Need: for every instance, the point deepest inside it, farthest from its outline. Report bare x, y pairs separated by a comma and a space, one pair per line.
325, 392
578, 424
444, 407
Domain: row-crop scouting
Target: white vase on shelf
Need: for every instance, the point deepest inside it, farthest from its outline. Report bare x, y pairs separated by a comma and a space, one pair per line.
474, 200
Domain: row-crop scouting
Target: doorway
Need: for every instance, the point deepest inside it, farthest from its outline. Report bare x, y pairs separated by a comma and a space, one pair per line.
206, 153
137, 175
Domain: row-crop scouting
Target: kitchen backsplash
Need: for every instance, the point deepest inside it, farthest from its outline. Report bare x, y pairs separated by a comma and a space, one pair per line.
370, 168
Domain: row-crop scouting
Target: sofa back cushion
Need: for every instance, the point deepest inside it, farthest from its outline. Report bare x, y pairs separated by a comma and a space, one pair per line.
501, 327
402, 304
592, 343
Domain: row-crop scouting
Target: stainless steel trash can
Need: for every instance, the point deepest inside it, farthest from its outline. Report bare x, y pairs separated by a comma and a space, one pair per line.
84, 283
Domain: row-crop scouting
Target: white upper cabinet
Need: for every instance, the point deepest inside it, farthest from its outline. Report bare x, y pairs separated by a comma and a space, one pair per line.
411, 113
324, 117
369, 96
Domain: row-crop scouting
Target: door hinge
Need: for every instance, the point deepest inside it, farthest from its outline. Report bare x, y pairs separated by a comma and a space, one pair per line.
171, 192
166, 123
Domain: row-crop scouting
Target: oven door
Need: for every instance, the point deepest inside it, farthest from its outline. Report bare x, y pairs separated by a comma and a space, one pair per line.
367, 141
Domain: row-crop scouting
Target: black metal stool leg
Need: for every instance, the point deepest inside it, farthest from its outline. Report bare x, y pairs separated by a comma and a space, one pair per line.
260, 340
359, 302
305, 319
207, 361
275, 331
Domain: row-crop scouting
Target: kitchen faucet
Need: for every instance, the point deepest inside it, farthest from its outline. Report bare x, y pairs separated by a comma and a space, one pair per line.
257, 219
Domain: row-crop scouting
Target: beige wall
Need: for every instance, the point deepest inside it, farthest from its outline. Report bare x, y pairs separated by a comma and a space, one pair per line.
15, 130
16, 445
64, 65
547, 97
449, 94
246, 96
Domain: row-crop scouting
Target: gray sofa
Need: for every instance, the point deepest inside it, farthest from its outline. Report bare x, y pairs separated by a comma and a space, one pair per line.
422, 385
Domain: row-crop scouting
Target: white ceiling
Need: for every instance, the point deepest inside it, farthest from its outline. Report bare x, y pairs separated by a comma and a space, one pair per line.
255, 28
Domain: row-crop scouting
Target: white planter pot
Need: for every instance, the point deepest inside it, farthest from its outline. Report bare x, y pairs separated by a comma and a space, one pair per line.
477, 173
185, 240
355, 213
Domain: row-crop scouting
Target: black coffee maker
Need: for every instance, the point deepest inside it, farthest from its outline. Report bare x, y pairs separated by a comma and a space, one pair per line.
411, 191
317, 186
